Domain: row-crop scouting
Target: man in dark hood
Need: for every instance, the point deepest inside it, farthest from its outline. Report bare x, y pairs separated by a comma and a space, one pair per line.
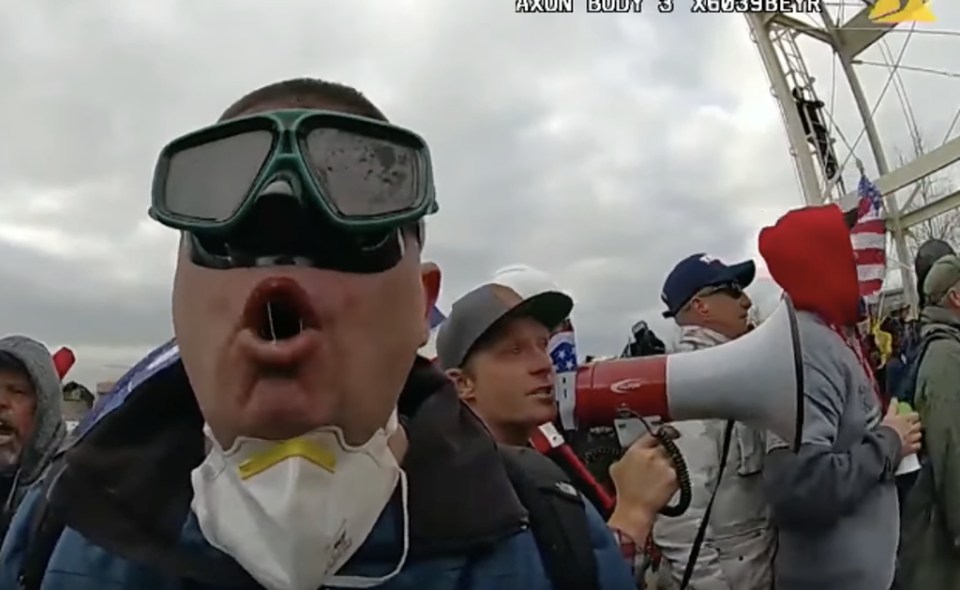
31, 425
834, 500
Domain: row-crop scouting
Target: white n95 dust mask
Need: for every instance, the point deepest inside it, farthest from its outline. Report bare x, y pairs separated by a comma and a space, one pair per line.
293, 512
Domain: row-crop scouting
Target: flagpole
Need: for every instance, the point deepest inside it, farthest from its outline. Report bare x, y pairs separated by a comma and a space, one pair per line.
903, 255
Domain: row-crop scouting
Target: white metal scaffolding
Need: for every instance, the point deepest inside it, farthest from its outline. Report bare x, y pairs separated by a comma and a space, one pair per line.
809, 124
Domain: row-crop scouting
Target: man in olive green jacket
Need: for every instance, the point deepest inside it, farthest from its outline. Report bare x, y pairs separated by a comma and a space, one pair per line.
930, 546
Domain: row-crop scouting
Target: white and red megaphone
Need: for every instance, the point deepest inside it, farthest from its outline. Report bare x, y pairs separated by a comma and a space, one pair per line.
756, 379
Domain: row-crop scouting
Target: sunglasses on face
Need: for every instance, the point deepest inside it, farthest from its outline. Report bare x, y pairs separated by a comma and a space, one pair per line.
732, 290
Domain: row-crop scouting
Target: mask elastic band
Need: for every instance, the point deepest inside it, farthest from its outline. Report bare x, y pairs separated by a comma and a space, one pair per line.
363, 582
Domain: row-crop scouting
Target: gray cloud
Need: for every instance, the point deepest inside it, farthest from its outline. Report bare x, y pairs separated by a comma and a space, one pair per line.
600, 148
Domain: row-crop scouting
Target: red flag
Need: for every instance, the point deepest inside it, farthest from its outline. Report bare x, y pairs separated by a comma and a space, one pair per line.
63, 360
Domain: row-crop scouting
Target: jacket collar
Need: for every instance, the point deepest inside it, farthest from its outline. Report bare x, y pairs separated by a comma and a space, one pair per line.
935, 314
698, 337
126, 484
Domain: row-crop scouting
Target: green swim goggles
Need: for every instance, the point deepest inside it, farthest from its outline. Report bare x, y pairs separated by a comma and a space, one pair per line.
363, 174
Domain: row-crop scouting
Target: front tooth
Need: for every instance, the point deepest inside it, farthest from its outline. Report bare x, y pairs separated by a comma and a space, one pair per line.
273, 330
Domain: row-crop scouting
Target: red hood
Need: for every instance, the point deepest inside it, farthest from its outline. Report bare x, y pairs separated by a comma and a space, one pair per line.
809, 254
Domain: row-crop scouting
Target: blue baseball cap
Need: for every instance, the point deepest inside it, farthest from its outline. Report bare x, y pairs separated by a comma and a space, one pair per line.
698, 272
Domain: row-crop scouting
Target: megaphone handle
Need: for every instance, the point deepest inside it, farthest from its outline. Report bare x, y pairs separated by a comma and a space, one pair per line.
683, 475
607, 501
627, 434
548, 440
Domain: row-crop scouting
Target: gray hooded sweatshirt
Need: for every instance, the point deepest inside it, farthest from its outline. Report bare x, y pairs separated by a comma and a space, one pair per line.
50, 429
835, 501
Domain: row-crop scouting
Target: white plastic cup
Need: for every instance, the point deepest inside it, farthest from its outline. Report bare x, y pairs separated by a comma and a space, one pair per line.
908, 464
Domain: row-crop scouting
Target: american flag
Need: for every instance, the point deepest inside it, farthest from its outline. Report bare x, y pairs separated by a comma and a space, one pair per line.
429, 349
869, 239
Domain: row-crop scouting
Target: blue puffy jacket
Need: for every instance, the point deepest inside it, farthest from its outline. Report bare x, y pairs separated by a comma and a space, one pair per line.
123, 491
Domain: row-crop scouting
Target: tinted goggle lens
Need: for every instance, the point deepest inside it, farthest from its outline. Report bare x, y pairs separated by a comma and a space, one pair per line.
358, 176
363, 176
210, 182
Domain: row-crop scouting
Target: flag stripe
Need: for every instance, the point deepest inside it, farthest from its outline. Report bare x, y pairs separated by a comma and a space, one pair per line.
872, 286
871, 258
865, 226
871, 272
869, 241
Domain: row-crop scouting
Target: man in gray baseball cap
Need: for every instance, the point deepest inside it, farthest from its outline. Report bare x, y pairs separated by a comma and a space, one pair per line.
489, 310
942, 279
494, 347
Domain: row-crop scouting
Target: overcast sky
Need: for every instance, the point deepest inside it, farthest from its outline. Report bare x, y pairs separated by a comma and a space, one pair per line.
600, 148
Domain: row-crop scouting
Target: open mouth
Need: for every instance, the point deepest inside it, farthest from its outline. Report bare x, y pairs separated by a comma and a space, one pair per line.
278, 310
545, 391
7, 432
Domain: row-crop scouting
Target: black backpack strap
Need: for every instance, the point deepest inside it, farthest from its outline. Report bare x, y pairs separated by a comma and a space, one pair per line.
705, 521
913, 370
44, 532
558, 519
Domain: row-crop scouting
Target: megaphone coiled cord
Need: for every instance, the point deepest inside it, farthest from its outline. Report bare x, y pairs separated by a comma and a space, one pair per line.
680, 468
665, 439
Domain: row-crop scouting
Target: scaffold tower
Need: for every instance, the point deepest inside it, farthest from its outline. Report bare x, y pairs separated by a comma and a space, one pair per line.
828, 155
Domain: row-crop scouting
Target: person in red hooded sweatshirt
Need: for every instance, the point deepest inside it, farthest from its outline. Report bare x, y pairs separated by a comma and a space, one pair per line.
835, 500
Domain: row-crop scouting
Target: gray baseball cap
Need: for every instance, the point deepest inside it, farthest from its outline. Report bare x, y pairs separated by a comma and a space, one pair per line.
943, 276
488, 306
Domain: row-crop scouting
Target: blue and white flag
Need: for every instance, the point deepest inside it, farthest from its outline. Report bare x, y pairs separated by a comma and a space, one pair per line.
563, 352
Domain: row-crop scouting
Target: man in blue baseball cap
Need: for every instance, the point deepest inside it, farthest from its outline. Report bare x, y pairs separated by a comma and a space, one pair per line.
703, 290
706, 299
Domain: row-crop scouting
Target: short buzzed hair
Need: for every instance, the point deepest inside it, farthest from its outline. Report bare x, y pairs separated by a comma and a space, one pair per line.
305, 92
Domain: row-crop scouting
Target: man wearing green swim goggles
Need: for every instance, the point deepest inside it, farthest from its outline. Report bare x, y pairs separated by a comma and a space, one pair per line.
271, 455
295, 186
299, 305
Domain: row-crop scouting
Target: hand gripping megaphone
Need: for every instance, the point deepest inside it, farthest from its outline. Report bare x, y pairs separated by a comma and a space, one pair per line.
756, 379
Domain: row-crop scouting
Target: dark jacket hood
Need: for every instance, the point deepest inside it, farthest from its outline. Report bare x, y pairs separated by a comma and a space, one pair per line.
809, 254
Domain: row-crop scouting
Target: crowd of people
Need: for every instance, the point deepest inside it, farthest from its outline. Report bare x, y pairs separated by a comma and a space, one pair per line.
292, 438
